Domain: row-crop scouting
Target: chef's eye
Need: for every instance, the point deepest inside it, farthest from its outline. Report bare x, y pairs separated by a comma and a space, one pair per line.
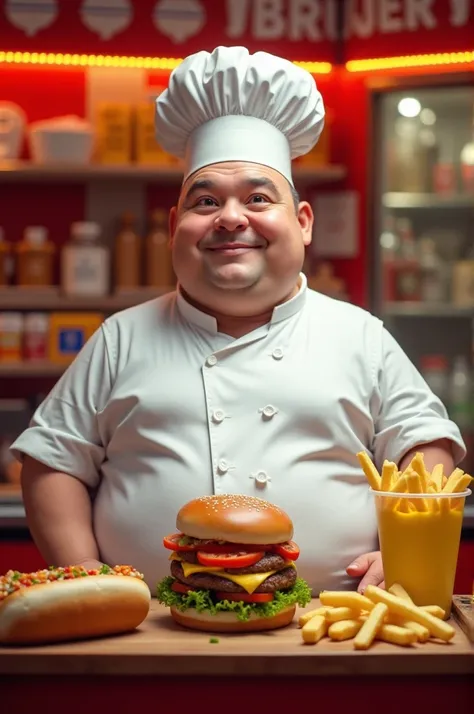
206, 201
258, 198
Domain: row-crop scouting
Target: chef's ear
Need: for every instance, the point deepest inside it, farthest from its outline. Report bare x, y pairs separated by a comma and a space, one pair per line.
172, 218
306, 219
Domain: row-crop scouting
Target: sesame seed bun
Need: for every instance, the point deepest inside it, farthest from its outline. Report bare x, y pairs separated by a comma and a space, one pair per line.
235, 519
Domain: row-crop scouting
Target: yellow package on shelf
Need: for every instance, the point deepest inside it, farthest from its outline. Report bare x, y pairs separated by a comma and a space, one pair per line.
147, 149
114, 133
68, 333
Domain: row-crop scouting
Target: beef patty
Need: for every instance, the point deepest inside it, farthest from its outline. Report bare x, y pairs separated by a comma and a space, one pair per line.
270, 561
281, 580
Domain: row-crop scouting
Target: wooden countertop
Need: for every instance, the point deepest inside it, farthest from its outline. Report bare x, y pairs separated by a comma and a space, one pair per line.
161, 647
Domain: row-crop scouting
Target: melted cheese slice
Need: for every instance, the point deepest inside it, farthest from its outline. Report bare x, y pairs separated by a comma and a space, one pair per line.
249, 582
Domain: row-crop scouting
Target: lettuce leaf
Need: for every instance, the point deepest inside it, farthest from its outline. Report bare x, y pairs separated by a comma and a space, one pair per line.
202, 601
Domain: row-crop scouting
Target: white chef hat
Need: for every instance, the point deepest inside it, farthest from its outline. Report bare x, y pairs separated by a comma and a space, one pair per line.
229, 105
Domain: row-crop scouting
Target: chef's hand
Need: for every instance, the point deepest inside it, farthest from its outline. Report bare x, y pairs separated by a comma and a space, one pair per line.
368, 567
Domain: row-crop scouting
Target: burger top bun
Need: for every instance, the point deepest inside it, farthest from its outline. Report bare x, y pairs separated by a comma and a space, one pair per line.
236, 519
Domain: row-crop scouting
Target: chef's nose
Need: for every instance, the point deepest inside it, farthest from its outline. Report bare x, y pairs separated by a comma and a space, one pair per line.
231, 217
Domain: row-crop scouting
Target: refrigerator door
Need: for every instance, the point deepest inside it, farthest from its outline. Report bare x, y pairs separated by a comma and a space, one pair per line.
423, 242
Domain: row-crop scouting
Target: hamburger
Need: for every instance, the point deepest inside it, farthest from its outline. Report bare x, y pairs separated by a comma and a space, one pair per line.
232, 566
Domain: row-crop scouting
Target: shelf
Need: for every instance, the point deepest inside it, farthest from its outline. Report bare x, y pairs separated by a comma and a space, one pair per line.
414, 309
24, 171
13, 298
41, 368
427, 200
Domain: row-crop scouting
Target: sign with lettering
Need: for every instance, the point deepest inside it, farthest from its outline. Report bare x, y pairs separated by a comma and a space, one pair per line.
304, 30
311, 30
387, 28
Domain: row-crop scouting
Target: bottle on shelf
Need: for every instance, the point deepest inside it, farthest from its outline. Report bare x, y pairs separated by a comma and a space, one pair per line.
11, 336
467, 164
407, 272
461, 401
460, 392
444, 178
5, 260
433, 273
35, 339
128, 255
158, 266
35, 255
85, 262
389, 248
435, 372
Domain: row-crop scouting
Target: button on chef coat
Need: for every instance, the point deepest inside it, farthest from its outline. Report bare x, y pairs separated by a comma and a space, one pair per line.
137, 417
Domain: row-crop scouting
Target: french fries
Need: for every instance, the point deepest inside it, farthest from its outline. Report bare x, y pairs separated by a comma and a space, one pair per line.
417, 480
437, 627
399, 591
371, 626
388, 616
314, 629
371, 473
344, 629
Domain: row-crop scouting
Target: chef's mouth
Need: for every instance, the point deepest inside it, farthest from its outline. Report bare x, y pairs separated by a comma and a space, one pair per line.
234, 246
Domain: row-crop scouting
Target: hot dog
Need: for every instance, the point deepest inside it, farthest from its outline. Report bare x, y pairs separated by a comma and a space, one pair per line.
58, 604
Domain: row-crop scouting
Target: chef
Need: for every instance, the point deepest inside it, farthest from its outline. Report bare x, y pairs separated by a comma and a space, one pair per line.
243, 380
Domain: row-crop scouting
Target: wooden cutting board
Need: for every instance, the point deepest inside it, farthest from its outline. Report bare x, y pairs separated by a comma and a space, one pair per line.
463, 611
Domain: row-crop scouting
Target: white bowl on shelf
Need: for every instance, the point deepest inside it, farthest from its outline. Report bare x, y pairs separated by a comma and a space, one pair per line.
61, 140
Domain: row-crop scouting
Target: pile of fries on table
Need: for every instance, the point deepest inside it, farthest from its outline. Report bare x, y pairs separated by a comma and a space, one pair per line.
390, 616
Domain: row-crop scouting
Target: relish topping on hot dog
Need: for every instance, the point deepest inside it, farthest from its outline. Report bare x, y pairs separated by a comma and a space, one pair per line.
13, 580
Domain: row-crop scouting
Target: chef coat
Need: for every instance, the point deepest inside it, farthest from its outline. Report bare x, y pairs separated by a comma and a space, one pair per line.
160, 407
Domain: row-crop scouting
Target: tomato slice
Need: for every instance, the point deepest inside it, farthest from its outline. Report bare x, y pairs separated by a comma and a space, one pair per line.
245, 597
288, 550
232, 548
229, 560
180, 588
172, 542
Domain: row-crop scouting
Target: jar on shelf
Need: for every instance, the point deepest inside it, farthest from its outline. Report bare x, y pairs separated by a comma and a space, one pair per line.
35, 255
35, 337
11, 336
85, 262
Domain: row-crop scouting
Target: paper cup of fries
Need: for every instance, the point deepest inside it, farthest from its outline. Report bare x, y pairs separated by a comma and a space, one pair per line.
419, 516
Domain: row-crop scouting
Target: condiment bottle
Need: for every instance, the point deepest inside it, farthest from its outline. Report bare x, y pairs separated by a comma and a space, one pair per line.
128, 254
36, 334
5, 258
11, 336
35, 258
158, 266
85, 262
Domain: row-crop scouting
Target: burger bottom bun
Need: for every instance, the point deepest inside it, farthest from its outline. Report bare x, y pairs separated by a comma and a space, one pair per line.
228, 622
93, 606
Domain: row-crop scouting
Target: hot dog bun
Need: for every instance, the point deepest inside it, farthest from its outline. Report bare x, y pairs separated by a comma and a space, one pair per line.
79, 608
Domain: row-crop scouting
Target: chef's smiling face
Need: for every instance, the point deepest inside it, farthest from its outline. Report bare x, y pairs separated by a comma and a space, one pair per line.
237, 238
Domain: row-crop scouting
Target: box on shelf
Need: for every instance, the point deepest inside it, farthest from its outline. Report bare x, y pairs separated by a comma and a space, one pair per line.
147, 149
67, 139
68, 333
114, 133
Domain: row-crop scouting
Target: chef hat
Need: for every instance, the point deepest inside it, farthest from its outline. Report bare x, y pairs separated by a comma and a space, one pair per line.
229, 105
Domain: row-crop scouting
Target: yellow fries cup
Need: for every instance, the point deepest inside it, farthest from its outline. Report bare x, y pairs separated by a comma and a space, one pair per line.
419, 541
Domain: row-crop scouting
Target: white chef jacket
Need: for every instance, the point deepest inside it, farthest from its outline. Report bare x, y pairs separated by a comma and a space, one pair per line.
160, 407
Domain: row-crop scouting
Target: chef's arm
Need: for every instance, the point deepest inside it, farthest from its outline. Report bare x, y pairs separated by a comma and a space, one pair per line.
59, 515
436, 452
